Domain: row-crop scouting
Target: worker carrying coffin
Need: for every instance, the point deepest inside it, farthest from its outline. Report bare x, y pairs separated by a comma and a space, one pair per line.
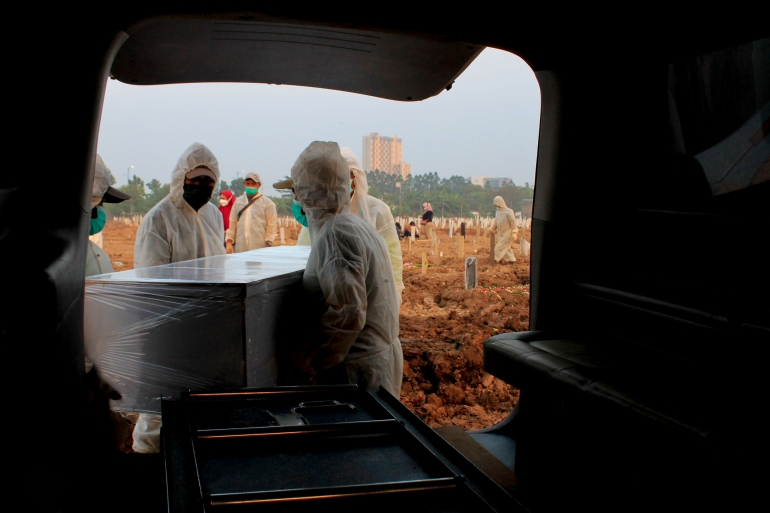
97, 261
507, 231
376, 213
253, 219
184, 225
349, 268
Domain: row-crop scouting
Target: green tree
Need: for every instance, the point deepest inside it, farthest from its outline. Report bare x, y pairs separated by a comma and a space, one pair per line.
237, 186
450, 197
282, 205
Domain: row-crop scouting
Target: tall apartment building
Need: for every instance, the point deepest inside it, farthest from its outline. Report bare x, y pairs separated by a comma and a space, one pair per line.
384, 154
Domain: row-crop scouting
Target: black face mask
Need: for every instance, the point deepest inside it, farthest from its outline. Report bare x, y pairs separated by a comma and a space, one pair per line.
197, 195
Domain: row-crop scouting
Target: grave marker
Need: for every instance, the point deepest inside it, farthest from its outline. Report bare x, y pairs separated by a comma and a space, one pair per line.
471, 273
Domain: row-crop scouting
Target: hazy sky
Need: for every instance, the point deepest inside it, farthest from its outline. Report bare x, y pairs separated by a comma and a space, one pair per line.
487, 125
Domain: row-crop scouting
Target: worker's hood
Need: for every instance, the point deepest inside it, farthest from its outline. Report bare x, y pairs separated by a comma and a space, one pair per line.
194, 156
499, 202
322, 180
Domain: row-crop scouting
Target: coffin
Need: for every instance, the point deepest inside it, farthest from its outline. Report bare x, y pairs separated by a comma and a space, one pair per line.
215, 322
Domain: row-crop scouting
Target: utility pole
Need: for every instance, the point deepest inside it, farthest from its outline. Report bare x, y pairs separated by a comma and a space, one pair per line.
128, 178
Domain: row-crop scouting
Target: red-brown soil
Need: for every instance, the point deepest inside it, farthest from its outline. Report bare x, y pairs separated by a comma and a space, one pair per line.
443, 325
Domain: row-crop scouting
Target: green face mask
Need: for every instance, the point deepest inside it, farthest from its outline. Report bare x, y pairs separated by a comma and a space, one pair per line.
251, 191
98, 222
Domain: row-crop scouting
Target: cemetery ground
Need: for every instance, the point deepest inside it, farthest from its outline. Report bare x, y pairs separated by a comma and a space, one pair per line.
443, 325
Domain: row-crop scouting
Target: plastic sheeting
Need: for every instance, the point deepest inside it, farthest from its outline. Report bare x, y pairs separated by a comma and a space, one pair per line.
205, 323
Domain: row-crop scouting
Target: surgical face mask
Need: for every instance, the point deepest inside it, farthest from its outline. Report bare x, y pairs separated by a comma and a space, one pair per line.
197, 195
351, 187
223, 202
251, 191
98, 220
299, 214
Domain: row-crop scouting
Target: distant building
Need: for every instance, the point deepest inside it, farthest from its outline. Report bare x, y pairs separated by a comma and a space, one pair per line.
488, 181
384, 154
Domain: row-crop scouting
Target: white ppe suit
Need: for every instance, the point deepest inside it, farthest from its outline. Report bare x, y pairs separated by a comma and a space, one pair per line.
172, 231
349, 266
506, 228
257, 225
97, 261
377, 213
303, 239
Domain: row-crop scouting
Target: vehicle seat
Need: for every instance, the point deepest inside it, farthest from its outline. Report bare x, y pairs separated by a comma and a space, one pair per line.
609, 371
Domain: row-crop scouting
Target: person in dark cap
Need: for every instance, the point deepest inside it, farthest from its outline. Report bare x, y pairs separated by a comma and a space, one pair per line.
97, 261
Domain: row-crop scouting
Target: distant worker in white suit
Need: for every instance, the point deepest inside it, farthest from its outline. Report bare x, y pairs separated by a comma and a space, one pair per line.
253, 219
184, 225
376, 212
506, 229
349, 270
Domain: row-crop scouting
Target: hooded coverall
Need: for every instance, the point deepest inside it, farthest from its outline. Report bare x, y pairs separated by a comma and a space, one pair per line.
349, 267
172, 231
377, 213
505, 226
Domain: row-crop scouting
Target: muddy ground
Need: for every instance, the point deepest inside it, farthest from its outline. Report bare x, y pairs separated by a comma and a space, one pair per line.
443, 325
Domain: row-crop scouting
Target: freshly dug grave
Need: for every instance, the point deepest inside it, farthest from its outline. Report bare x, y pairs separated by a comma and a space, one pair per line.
443, 326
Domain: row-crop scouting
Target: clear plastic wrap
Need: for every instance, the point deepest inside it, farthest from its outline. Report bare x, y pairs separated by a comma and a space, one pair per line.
210, 322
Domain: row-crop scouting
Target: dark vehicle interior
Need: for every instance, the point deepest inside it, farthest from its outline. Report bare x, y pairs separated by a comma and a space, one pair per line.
642, 376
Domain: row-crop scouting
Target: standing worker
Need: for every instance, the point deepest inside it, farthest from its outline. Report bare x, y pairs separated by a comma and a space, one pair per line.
253, 220
349, 269
505, 226
184, 225
226, 201
427, 220
97, 261
376, 213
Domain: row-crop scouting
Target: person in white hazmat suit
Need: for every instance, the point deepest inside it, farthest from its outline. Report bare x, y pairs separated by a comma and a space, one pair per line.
506, 229
97, 261
350, 268
184, 225
253, 219
375, 212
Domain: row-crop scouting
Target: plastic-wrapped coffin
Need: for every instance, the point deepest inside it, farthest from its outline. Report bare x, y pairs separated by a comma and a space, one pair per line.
211, 322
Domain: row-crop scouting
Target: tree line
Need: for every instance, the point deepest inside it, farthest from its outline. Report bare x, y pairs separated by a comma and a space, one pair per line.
451, 197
